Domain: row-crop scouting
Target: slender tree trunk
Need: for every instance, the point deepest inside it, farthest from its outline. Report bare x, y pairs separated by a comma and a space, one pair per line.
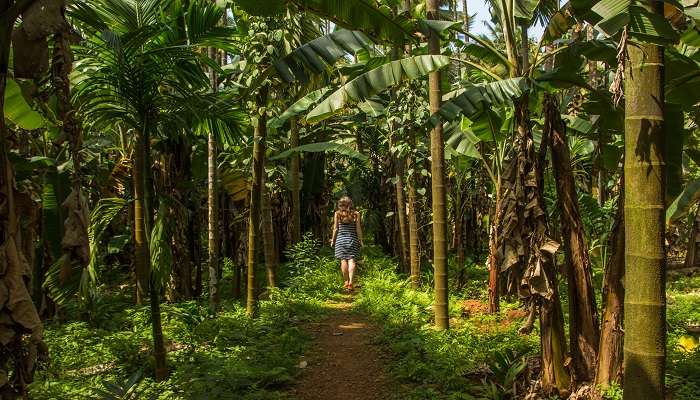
692, 256
645, 256
459, 235
294, 182
195, 247
610, 355
255, 197
142, 260
212, 210
583, 316
494, 302
401, 212
268, 238
437, 152
159, 352
413, 238
602, 178
414, 255
465, 17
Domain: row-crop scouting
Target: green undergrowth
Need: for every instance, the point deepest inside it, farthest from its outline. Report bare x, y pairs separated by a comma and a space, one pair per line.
443, 364
227, 356
683, 312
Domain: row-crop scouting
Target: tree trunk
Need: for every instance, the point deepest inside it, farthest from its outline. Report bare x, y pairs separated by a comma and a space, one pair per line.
255, 197
465, 17
555, 377
645, 257
212, 202
494, 303
583, 315
268, 238
610, 355
159, 352
294, 183
142, 259
692, 256
437, 152
459, 235
401, 212
414, 255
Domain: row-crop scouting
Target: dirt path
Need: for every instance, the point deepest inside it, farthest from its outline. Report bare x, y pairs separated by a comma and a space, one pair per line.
342, 363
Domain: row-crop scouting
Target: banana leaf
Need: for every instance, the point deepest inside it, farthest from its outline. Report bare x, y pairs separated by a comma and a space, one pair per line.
322, 147
18, 111
375, 81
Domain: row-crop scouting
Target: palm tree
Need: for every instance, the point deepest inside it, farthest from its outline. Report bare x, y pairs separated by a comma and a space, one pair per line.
133, 50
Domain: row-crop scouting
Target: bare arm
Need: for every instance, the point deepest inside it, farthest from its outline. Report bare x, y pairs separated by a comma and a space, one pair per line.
335, 229
358, 224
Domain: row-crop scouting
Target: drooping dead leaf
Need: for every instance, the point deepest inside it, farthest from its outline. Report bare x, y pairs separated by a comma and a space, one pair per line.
75, 238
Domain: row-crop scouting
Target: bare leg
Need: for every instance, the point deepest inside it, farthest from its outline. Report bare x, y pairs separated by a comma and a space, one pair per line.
344, 268
351, 269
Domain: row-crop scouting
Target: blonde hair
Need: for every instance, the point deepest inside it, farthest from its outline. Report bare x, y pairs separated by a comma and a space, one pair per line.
346, 212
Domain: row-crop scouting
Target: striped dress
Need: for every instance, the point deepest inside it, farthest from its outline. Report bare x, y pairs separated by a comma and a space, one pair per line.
347, 245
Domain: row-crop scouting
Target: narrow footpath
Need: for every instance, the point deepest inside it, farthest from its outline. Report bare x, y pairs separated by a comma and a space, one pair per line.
343, 363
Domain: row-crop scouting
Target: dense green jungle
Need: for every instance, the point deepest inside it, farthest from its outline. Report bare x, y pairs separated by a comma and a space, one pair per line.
350, 199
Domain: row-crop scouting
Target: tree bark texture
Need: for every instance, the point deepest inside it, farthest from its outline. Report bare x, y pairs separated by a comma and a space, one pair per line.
437, 152
295, 183
268, 238
583, 316
213, 206
692, 256
258, 169
401, 213
610, 352
645, 257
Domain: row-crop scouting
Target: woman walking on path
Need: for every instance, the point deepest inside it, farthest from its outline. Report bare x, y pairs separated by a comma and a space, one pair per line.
347, 238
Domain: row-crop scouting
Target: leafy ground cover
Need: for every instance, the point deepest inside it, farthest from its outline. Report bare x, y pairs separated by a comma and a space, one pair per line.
230, 356
106, 356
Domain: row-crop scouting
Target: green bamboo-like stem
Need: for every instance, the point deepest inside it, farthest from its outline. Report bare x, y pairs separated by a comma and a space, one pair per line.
645, 257
258, 163
437, 152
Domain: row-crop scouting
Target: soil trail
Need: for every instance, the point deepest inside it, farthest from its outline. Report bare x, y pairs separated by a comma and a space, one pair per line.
343, 364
